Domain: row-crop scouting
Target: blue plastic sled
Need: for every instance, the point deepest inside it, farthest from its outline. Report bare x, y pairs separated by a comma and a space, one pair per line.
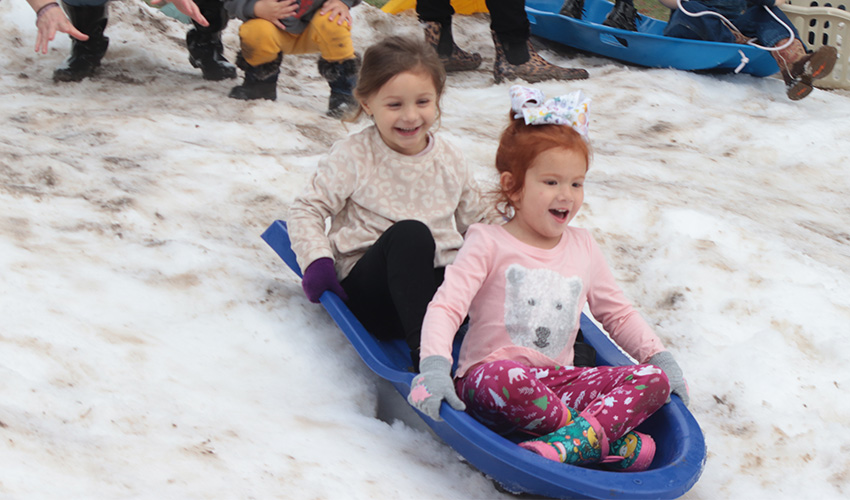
679, 458
646, 47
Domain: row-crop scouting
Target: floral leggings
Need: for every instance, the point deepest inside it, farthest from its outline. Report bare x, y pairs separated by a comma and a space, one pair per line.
507, 396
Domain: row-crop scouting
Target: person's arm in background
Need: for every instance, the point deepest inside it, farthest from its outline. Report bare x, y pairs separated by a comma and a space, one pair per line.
49, 19
187, 7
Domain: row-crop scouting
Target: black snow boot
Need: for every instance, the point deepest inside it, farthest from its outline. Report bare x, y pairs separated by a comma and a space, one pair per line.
623, 16
573, 8
204, 43
342, 78
85, 56
260, 81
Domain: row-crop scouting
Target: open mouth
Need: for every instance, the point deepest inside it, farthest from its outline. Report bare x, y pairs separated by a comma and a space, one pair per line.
407, 131
560, 215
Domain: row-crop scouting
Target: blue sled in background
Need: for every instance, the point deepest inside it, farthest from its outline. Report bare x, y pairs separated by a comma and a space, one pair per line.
645, 47
679, 458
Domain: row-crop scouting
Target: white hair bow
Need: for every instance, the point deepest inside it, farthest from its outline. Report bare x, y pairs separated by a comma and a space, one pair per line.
572, 109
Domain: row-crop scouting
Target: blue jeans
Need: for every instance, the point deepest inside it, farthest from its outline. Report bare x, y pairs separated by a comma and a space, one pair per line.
754, 22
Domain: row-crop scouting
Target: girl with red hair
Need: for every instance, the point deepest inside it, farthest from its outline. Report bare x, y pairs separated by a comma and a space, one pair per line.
524, 285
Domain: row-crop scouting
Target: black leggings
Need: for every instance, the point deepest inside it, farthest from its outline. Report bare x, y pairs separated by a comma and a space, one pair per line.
507, 17
391, 285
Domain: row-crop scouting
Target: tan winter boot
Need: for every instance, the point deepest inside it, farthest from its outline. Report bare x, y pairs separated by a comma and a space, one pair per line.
534, 69
439, 36
799, 69
740, 38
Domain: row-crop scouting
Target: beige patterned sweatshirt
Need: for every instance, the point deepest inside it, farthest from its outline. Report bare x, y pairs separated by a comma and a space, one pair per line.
364, 187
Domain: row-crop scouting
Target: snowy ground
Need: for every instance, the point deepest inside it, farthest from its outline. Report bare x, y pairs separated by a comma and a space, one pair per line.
154, 347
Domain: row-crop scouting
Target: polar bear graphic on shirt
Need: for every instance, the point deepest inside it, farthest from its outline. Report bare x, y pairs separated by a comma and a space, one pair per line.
541, 308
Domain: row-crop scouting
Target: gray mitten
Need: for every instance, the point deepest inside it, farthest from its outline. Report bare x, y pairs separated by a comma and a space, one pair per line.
665, 361
433, 385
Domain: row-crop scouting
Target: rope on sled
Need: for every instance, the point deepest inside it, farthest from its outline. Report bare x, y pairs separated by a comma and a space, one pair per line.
728, 23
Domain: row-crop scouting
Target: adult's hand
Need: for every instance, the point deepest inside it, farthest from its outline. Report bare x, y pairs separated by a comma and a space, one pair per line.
187, 7
51, 19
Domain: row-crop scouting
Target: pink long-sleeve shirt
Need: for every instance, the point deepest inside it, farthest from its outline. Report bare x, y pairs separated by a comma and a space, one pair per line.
525, 303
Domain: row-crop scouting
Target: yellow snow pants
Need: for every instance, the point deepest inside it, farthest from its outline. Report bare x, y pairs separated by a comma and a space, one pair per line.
262, 41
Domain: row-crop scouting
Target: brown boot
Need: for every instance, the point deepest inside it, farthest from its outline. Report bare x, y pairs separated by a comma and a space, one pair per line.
740, 38
534, 69
799, 69
439, 36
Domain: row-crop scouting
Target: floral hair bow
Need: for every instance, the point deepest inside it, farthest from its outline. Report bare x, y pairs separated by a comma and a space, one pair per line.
572, 109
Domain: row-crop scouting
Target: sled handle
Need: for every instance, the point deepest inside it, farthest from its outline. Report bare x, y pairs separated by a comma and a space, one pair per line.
613, 40
277, 237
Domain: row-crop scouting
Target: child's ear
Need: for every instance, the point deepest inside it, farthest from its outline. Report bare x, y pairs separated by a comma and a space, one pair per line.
506, 181
365, 106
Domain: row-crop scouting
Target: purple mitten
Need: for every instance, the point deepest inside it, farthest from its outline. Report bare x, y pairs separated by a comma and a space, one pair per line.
319, 277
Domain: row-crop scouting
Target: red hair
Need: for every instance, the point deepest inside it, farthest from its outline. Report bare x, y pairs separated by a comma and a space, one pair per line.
520, 144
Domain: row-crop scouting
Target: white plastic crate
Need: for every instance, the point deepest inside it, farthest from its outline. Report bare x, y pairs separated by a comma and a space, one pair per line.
838, 4
821, 23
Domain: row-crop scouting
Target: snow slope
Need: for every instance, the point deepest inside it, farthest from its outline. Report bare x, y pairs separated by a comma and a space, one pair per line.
154, 347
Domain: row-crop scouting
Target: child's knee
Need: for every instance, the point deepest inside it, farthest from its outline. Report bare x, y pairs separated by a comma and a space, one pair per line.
414, 230
256, 31
412, 238
322, 25
651, 379
333, 39
257, 38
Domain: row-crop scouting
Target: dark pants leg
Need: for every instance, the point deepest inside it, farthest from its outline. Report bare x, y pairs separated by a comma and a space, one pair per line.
90, 17
756, 21
435, 10
391, 285
507, 17
707, 27
215, 14
509, 20
204, 42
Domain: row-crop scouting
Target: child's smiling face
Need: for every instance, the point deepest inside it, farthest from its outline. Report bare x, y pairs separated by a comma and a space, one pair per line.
550, 198
404, 109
